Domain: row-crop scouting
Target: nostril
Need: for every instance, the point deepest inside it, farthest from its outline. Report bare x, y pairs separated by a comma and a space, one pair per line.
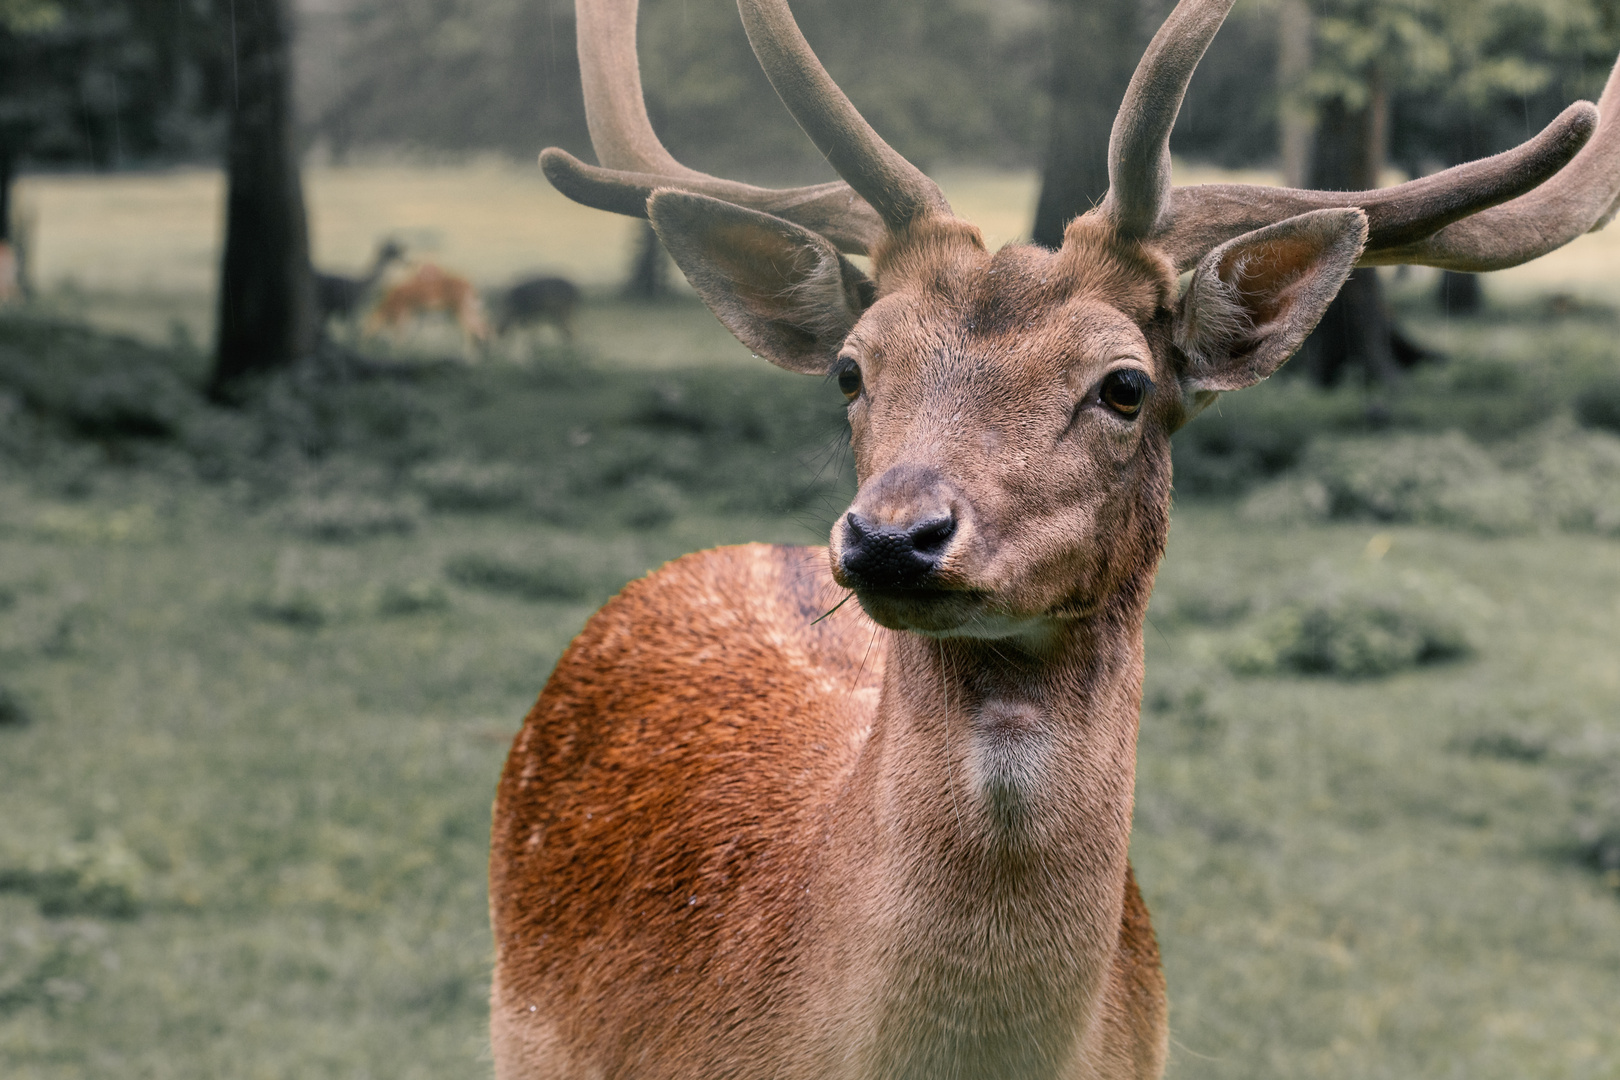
856, 528
931, 536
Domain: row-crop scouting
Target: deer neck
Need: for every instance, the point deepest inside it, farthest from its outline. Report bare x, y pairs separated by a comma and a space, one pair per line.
986, 831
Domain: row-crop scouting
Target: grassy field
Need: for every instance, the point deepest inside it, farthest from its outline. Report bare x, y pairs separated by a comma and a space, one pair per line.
258, 670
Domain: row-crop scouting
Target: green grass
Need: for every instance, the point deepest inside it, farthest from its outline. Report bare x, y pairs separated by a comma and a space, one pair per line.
261, 670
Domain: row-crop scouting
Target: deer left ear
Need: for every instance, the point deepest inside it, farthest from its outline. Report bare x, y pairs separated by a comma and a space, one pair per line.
784, 291
1252, 301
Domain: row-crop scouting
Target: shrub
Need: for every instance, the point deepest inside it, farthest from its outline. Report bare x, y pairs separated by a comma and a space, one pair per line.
412, 598
1352, 630
1598, 405
1421, 479
549, 579
98, 878
1575, 475
12, 711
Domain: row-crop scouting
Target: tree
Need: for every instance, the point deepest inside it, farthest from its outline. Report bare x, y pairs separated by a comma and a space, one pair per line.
1094, 51
267, 316
105, 83
1227, 117
946, 80
1428, 83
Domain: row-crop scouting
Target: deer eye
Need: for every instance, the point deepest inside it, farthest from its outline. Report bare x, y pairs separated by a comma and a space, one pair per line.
1124, 391
849, 382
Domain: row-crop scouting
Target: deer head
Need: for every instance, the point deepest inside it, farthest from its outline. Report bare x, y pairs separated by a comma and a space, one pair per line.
1011, 411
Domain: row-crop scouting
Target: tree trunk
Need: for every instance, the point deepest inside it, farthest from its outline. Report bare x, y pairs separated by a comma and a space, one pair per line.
8, 173
1347, 154
649, 269
266, 292
1093, 55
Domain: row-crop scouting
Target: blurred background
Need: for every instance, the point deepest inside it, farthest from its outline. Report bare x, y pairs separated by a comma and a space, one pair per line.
325, 423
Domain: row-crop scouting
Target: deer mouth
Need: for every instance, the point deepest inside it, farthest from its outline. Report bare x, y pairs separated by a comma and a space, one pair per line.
925, 610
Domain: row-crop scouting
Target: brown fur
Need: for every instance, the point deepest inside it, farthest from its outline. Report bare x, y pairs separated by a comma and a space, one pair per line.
430, 288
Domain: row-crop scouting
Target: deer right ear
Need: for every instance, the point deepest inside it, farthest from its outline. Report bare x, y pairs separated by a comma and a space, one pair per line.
1252, 301
783, 290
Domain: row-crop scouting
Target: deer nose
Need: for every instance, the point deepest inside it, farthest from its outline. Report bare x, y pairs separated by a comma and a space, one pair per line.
900, 556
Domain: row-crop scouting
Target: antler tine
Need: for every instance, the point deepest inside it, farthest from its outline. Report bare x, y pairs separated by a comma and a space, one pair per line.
1402, 220
1580, 198
1139, 145
635, 162
894, 186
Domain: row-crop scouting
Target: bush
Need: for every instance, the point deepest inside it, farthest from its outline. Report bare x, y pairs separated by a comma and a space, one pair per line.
1419, 479
1575, 475
1352, 631
12, 711
412, 598
1598, 406
550, 579
98, 878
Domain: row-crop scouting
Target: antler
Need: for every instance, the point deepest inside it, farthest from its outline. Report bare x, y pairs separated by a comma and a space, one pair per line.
635, 162
1441, 220
1139, 144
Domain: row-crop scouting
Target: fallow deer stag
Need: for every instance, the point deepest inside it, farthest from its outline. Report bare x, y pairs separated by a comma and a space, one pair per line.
737, 837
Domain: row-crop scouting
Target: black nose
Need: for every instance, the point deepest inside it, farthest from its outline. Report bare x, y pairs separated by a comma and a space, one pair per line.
895, 556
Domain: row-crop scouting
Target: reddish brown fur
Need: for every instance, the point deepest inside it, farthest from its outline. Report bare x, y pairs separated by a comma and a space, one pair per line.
430, 288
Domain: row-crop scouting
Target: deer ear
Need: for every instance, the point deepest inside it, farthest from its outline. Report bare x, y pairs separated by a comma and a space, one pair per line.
784, 291
1252, 301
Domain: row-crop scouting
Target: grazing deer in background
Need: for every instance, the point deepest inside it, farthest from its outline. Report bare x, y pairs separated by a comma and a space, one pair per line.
339, 297
538, 300
747, 832
428, 289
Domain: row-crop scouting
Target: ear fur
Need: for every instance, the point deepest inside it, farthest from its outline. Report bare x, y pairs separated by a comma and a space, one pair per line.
784, 291
1252, 301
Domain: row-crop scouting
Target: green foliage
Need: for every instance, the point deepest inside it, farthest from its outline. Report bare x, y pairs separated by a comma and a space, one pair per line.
12, 711
101, 877
1556, 476
1351, 630
110, 81
1598, 405
942, 80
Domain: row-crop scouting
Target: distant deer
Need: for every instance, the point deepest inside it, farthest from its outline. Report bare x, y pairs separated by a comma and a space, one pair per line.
748, 832
429, 289
339, 297
538, 300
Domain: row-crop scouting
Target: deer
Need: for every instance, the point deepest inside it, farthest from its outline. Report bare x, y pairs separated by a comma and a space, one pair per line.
431, 288
338, 296
749, 829
539, 299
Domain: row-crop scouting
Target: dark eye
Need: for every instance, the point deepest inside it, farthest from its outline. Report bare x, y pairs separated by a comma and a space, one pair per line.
849, 381
1124, 391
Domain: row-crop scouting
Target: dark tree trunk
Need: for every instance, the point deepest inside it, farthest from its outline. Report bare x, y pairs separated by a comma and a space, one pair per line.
1459, 294
649, 268
266, 291
8, 173
1356, 332
1093, 55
